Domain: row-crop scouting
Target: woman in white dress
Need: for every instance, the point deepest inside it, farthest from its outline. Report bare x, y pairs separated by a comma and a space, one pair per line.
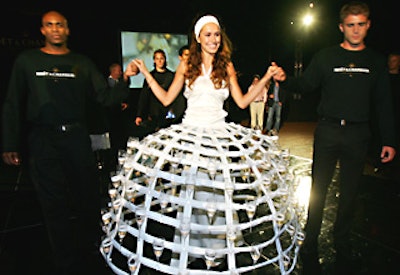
193, 166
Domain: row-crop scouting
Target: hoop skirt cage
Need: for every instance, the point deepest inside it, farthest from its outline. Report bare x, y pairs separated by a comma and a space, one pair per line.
197, 200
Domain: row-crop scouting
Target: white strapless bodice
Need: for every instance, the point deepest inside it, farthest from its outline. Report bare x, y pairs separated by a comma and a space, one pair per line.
205, 103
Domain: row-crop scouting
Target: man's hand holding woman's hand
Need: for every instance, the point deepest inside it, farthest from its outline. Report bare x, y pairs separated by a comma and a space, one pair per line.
139, 63
275, 72
131, 70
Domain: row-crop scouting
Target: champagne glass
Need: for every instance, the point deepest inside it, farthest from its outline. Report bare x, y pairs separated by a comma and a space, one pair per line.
250, 211
140, 215
116, 180
131, 144
130, 191
112, 192
209, 257
300, 236
255, 252
117, 204
163, 200
123, 228
229, 188
291, 229
121, 158
189, 183
106, 218
285, 154
267, 161
231, 234
106, 245
132, 263
245, 174
158, 247
211, 208
144, 159
128, 165
212, 169
184, 227
189, 190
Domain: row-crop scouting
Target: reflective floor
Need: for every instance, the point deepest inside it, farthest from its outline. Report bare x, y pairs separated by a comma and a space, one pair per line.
375, 237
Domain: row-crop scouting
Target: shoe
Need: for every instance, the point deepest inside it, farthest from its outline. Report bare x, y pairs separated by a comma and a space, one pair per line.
272, 132
264, 131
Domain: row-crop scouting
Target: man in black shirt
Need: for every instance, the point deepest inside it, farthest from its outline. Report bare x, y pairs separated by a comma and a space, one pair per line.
348, 77
49, 88
177, 108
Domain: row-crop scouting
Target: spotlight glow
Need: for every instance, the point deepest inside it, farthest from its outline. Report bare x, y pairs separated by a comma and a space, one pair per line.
308, 19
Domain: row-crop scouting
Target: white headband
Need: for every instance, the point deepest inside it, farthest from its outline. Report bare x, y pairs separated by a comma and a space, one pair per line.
202, 21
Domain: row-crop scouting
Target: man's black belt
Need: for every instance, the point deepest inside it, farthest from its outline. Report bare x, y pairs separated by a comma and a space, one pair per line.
342, 122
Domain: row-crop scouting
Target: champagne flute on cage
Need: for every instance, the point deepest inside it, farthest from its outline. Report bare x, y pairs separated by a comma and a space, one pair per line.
231, 234
121, 158
229, 188
115, 179
123, 228
132, 263
212, 169
245, 172
189, 185
184, 227
106, 245
211, 209
130, 192
255, 252
106, 218
209, 257
140, 215
163, 200
131, 145
285, 154
158, 247
144, 158
113, 193
250, 211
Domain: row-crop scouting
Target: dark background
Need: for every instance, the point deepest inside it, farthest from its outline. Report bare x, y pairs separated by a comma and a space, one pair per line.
260, 30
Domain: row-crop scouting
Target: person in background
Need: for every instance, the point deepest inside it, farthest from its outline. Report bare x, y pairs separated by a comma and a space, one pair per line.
107, 129
257, 106
118, 114
394, 74
349, 76
276, 101
150, 110
48, 90
387, 169
178, 107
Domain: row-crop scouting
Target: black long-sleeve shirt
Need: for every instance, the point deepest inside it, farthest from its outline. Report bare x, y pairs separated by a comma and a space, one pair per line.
51, 89
349, 82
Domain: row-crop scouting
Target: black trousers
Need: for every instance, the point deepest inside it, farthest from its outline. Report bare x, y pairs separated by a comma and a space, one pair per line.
63, 171
347, 145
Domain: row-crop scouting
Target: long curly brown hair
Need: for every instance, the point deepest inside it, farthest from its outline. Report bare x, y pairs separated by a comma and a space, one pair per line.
219, 75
